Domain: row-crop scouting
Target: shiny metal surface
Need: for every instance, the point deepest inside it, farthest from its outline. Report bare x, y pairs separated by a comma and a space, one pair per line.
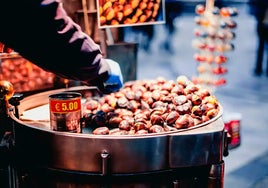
82, 152
36, 145
203, 145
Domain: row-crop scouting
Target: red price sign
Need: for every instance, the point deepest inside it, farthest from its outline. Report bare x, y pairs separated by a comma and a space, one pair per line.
65, 106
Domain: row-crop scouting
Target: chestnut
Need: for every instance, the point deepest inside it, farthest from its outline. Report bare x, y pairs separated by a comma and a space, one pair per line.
140, 116
197, 120
159, 104
157, 119
205, 118
157, 111
197, 111
172, 117
184, 108
191, 88
92, 104
183, 81
156, 95
139, 125
101, 131
196, 99
106, 108
169, 128
212, 113
184, 121
125, 112
179, 100
141, 132
114, 121
166, 98
144, 105
137, 95
156, 129
169, 85
132, 105
98, 120
117, 131
130, 95
122, 102
178, 89
125, 125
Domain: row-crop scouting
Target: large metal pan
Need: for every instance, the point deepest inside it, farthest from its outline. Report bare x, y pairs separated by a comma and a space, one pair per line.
37, 145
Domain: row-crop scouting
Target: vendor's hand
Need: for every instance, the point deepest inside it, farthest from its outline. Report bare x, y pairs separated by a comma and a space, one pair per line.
115, 80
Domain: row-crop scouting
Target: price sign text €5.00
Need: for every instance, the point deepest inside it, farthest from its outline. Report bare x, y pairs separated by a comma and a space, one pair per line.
65, 106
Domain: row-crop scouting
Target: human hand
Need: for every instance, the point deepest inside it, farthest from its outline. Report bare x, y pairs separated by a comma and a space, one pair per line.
115, 80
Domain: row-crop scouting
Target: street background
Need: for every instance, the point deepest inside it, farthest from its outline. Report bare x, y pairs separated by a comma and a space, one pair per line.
169, 53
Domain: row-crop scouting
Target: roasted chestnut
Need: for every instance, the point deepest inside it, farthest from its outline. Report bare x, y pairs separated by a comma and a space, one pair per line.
156, 129
157, 119
172, 117
101, 131
125, 125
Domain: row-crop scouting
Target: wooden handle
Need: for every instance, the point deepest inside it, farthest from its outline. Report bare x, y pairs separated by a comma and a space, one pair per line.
86, 22
103, 43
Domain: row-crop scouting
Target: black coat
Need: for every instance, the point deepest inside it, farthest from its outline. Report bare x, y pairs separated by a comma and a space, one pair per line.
42, 32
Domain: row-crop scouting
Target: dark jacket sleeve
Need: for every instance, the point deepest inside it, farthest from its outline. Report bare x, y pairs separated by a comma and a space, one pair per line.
43, 33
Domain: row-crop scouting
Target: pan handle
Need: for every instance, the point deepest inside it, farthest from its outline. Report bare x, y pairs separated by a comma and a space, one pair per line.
105, 163
226, 142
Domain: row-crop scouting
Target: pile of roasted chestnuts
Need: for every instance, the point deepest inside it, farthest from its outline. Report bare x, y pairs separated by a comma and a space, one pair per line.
128, 11
150, 106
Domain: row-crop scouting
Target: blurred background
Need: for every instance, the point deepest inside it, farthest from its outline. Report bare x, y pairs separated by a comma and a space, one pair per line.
166, 50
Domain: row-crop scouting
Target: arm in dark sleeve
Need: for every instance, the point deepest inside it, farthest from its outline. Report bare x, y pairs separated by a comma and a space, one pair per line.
43, 33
